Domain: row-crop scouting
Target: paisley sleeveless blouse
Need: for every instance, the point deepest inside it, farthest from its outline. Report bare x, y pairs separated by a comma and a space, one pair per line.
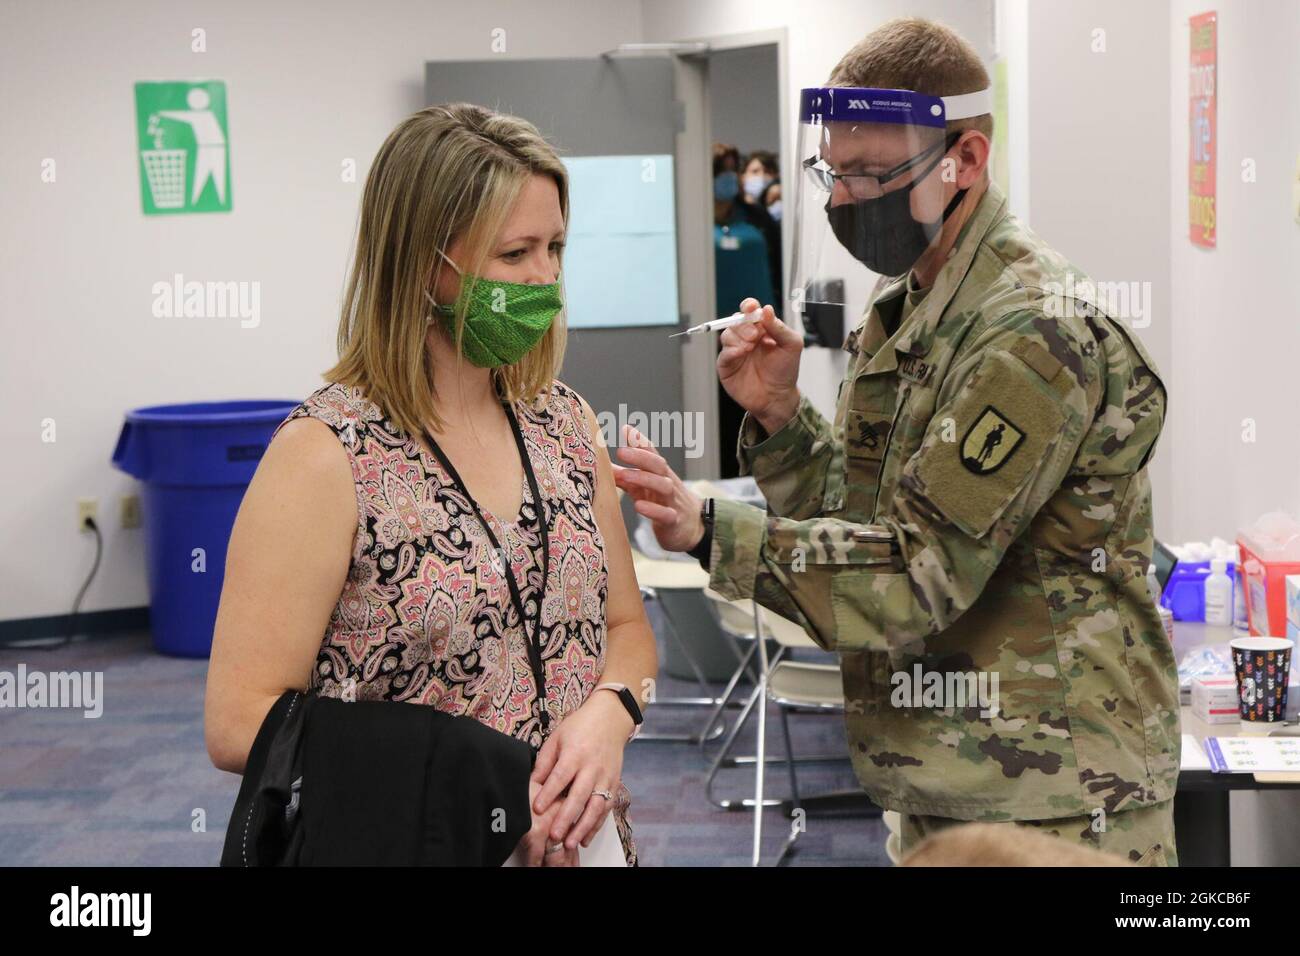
426, 615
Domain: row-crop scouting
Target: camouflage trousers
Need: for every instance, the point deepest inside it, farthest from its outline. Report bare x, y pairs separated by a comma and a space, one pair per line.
1144, 835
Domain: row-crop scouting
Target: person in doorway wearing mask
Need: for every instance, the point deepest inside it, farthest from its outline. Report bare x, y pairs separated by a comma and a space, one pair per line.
760, 172
759, 179
744, 225
741, 267
438, 525
972, 531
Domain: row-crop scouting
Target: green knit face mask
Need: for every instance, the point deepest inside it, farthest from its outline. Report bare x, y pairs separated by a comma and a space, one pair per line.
503, 320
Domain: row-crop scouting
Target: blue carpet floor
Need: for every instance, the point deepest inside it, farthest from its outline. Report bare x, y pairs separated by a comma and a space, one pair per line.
135, 786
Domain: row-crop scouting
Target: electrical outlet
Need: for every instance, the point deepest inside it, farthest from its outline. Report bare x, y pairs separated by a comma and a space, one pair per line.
130, 511
87, 508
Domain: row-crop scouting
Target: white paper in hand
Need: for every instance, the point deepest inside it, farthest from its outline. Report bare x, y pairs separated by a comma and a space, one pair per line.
606, 849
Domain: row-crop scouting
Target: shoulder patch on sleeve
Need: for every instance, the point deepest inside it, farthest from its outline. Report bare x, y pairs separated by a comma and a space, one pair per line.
1008, 425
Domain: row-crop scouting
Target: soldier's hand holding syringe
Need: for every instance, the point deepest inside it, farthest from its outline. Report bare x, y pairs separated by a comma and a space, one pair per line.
759, 366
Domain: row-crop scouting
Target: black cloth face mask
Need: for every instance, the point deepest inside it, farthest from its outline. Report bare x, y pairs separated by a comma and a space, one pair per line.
881, 233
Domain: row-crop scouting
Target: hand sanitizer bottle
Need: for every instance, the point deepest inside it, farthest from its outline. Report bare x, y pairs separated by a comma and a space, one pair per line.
1218, 593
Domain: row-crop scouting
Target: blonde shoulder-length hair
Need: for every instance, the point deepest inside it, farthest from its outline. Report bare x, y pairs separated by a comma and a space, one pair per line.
446, 172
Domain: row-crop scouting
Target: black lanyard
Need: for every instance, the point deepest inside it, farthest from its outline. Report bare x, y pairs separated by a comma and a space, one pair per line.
539, 507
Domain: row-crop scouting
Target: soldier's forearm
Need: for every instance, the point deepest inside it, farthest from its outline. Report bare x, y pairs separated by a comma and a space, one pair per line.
789, 465
738, 569
843, 583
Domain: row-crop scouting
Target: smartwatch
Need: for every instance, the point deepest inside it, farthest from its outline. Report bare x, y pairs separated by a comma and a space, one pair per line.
629, 703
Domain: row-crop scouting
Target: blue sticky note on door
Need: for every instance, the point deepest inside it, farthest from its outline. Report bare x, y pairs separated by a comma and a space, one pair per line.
620, 259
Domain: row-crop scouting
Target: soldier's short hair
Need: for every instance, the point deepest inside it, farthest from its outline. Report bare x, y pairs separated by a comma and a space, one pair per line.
912, 53
1002, 844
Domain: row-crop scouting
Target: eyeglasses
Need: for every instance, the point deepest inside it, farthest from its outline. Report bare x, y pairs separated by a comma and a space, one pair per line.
868, 185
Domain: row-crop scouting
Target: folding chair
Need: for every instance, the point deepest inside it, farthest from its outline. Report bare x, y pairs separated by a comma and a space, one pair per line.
655, 575
791, 685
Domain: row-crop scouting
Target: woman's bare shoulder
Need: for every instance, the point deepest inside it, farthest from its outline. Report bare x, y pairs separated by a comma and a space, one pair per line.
306, 470
308, 446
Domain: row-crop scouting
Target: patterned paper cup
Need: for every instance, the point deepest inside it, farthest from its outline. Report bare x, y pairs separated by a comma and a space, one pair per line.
1263, 666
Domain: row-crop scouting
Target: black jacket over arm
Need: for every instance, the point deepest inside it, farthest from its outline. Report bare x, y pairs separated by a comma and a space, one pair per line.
332, 783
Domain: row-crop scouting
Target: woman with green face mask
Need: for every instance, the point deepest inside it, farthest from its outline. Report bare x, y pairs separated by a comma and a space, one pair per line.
444, 510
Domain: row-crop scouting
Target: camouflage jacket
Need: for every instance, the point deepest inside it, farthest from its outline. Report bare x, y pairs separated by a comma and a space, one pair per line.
977, 517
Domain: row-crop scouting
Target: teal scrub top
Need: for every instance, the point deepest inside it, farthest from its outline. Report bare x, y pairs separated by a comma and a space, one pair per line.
740, 257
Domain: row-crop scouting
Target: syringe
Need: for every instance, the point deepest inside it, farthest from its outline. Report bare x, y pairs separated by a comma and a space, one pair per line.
725, 323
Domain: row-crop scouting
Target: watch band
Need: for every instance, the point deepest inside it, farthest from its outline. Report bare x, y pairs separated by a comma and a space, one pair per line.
704, 547
629, 704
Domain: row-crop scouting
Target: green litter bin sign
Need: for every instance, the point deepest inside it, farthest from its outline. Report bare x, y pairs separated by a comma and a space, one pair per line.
183, 134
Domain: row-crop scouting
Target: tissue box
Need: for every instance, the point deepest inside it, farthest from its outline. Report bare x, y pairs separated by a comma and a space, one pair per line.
1292, 603
1215, 701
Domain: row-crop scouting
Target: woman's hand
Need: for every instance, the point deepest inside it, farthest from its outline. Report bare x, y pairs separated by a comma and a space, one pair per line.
673, 509
537, 841
759, 367
583, 754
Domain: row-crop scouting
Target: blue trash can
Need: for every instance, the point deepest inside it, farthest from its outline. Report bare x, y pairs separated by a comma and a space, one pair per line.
195, 462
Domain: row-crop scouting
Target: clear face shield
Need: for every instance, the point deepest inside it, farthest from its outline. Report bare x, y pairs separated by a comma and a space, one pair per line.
871, 188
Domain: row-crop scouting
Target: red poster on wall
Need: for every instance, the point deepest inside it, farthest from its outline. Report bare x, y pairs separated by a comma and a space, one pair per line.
1201, 199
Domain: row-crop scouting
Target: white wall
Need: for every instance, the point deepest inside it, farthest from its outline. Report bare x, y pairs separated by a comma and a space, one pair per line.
1012, 36
1108, 140
818, 35
309, 85
1236, 308
1098, 108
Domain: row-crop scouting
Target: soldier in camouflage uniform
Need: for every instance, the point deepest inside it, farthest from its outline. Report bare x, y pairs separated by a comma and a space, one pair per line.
978, 507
